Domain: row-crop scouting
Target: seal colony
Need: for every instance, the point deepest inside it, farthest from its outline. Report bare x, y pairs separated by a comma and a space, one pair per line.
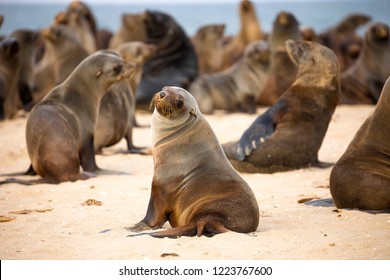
196, 186
202, 194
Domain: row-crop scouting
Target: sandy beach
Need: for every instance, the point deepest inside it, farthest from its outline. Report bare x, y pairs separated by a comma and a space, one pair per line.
298, 218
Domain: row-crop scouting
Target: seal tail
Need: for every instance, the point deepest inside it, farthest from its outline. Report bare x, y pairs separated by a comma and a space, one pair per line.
207, 228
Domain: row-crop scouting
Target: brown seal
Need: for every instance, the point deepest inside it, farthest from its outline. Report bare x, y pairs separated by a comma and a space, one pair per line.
116, 116
236, 88
29, 42
250, 31
131, 29
340, 37
364, 80
361, 177
60, 128
63, 52
282, 69
208, 43
290, 133
194, 186
9, 70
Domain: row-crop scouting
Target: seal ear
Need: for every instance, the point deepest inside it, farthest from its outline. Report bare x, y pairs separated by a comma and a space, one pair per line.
99, 73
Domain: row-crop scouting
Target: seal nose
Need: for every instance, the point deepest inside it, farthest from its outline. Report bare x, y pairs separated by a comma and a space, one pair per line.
162, 94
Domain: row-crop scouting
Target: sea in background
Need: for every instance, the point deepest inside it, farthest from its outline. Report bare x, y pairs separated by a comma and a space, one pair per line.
318, 14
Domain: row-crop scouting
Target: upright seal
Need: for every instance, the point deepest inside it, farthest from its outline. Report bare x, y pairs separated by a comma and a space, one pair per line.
60, 128
290, 133
194, 186
361, 177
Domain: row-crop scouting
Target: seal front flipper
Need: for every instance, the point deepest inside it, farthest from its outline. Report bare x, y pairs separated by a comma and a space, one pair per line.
260, 130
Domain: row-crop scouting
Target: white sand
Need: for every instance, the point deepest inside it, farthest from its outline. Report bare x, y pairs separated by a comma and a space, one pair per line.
287, 230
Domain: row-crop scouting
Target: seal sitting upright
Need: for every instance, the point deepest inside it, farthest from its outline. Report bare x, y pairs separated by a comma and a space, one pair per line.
174, 62
361, 177
60, 128
290, 133
194, 186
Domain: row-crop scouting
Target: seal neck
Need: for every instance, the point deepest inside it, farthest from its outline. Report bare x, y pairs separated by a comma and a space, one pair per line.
164, 130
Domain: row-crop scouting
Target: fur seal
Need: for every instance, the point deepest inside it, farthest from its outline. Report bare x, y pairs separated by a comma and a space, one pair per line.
361, 177
80, 26
236, 88
364, 80
29, 42
282, 69
9, 70
60, 128
339, 37
208, 43
194, 186
250, 31
131, 29
116, 116
290, 133
63, 52
174, 62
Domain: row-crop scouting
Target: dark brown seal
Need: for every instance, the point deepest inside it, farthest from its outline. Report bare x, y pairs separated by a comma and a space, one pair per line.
361, 177
363, 81
290, 133
238, 87
194, 186
60, 128
174, 62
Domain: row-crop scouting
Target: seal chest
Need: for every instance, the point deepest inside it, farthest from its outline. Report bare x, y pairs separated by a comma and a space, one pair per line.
194, 186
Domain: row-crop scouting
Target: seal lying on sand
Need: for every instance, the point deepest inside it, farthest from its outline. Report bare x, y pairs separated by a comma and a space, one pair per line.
236, 88
361, 177
194, 186
289, 134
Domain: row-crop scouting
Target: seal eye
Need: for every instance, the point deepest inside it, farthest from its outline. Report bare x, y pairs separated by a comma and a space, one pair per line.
179, 104
117, 69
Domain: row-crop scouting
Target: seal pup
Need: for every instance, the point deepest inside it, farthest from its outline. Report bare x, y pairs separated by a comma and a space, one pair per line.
361, 177
282, 69
250, 31
194, 186
363, 81
236, 88
60, 128
9, 73
116, 117
289, 134
208, 43
174, 62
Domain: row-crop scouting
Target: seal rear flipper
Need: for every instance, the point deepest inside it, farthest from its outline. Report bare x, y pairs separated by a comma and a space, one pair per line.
207, 228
